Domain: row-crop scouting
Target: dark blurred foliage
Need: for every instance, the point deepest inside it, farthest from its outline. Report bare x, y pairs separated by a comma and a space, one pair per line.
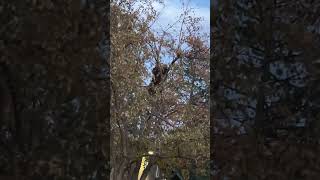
264, 89
54, 89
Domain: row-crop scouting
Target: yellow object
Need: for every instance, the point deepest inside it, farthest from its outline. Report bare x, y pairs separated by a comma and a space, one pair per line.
144, 164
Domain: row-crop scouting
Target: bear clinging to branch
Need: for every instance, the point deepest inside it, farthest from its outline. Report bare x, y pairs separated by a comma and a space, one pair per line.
160, 72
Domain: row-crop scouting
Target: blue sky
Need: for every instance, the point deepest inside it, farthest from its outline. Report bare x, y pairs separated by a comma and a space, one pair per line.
173, 8
202, 3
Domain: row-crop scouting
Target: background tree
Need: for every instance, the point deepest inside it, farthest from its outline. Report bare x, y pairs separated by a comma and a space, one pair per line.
262, 86
54, 63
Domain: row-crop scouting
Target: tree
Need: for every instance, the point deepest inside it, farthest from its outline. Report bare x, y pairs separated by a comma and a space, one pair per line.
162, 120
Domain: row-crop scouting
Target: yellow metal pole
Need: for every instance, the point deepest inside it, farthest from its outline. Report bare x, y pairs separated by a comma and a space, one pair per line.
144, 164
